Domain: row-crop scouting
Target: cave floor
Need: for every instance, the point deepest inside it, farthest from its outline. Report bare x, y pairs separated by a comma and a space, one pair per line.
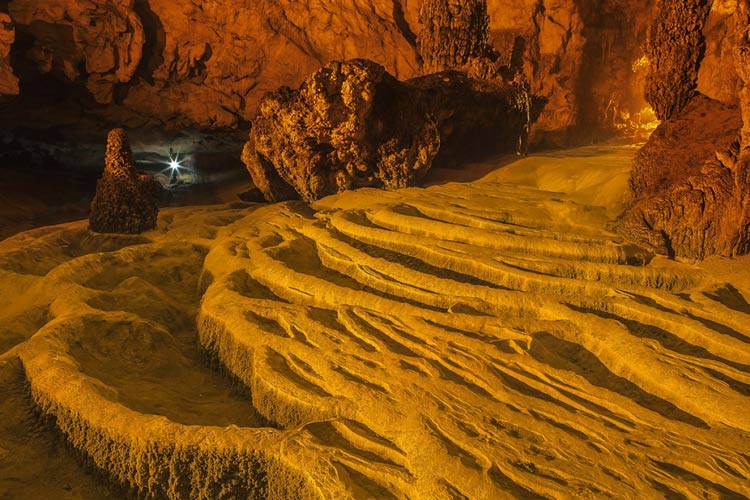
485, 337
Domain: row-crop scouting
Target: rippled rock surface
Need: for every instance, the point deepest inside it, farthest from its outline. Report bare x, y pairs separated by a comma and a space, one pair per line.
484, 340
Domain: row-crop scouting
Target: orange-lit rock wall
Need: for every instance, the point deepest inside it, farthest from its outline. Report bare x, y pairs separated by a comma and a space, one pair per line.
184, 63
8, 81
717, 77
206, 64
691, 181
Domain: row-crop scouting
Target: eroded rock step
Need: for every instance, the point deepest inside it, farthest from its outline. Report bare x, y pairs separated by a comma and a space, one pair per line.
516, 364
400, 352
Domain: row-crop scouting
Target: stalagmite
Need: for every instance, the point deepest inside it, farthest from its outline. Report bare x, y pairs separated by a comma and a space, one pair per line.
125, 201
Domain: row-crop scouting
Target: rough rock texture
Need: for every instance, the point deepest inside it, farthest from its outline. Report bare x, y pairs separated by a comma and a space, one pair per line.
453, 33
609, 93
583, 57
480, 341
679, 147
184, 63
188, 63
8, 81
717, 77
353, 125
126, 201
707, 213
675, 46
742, 67
98, 43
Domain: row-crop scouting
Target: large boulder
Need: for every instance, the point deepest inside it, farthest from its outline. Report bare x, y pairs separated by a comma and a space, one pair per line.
126, 202
352, 124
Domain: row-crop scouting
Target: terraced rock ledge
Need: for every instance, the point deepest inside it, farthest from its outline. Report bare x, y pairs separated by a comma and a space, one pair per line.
481, 340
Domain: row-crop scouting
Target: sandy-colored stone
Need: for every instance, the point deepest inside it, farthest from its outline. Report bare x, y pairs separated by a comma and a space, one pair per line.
481, 340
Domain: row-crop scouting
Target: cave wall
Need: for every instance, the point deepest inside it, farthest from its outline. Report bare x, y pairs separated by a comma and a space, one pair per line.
691, 181
194, 63
206, 64
8, 81
717, 77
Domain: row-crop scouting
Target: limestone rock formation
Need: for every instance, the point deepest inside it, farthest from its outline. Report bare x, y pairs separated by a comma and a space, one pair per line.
708, 212
675, 46
181, 63
184, 63
99, 43
487, 340
453, 33
352, 124
742, 66
8, 81
679, 147
717, 77
126, 201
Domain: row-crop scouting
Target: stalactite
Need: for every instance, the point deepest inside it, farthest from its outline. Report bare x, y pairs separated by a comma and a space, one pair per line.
675, 46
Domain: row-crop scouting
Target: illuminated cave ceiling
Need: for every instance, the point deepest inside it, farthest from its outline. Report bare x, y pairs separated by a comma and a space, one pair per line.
191, 64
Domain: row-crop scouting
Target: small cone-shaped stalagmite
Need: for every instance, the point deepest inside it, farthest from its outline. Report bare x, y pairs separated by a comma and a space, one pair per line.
126, 201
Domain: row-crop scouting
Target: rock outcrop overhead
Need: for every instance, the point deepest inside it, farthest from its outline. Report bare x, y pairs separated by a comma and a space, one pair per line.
126, 202
352, 124
675, 46
679, 147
